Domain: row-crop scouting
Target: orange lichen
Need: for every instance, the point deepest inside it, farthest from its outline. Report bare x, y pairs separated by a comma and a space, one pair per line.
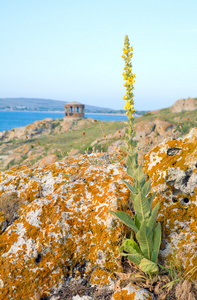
178, 218
133, 292
65, 231
124, 295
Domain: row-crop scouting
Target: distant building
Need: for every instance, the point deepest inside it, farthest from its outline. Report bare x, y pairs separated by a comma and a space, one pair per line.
74, 110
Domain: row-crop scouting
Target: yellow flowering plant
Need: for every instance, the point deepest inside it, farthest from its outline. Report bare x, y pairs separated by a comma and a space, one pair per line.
129, 80
142, 248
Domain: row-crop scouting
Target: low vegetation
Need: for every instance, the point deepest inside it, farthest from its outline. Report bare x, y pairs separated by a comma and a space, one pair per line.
183, 120
61, 144
80, 138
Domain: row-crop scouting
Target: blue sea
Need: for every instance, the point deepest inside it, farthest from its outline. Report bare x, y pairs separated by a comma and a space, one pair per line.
13, 119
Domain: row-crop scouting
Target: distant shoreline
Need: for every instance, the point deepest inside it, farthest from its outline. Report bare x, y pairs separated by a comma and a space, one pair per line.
105, 114
60, 112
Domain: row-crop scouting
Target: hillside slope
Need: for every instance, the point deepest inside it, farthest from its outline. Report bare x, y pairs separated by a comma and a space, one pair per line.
47, 141
36, 104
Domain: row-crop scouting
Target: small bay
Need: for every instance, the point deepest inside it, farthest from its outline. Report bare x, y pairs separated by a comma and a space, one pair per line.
13, 119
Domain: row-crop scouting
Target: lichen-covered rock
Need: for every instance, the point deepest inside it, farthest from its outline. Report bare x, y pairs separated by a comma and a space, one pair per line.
43, 127
172, 167
132, 292
63, 228
82, 298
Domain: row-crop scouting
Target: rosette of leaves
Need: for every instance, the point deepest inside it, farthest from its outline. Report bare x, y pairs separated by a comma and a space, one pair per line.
142, 248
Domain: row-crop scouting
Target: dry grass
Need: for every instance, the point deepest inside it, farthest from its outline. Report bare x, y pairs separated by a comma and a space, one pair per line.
162, 286
9, 205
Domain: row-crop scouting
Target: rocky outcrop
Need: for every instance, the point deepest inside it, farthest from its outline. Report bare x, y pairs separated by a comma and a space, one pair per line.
44, 127
172, 167
147, 134
63, 229
184, 105
32, 153
55, 224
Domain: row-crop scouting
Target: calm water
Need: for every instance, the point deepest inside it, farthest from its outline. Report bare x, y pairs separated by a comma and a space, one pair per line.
13, 119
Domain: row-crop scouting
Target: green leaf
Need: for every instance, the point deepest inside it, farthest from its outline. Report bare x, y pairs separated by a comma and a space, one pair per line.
154, 256
131, 160
132, 143
129, 186
148, 266
125, 218
156, 242
152, 220
124, 149
144, 237
132, 164
146, 188
135, 258
142, 183
131, 246
137, 222
139, 174
150, 200
135, 185
133, 195
141, 206
121, 248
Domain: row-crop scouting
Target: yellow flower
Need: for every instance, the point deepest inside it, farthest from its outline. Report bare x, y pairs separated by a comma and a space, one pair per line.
129, 81
122, 56
128, 105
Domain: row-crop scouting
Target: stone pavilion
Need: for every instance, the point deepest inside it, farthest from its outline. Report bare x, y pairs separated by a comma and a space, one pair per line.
74, 110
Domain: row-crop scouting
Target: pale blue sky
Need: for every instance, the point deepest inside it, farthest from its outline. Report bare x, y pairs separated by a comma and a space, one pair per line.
71, 50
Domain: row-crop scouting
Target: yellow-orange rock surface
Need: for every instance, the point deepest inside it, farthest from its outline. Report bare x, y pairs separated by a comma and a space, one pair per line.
132, 292
64, 229
172, 168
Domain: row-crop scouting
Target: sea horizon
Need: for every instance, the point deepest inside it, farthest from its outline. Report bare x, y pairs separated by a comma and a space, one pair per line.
13, 119
59, 112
